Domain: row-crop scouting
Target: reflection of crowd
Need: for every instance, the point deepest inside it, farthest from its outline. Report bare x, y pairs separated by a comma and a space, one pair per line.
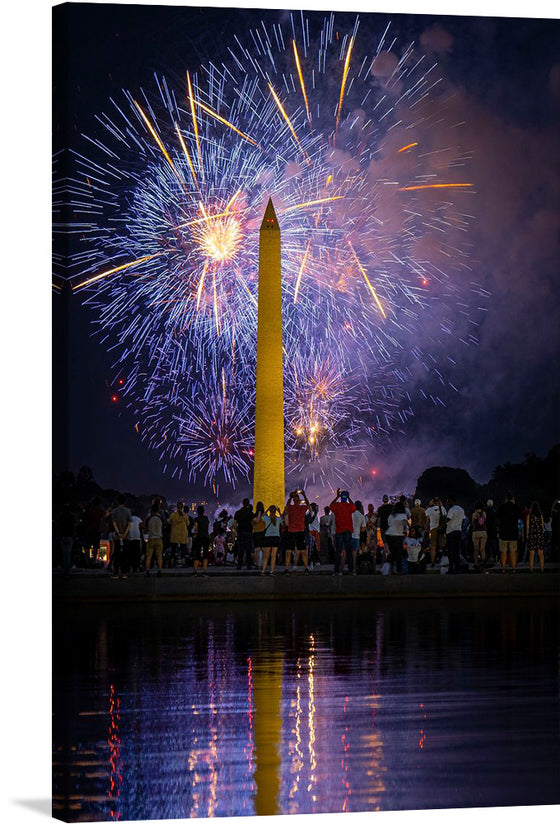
396, 538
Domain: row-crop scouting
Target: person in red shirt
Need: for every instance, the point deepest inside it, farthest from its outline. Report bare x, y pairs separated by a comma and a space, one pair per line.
342, 510
294, 514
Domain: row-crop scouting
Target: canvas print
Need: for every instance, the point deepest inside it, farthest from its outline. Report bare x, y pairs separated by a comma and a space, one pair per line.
306, 447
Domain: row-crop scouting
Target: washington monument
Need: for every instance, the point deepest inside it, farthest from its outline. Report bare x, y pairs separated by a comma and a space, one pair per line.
268, 479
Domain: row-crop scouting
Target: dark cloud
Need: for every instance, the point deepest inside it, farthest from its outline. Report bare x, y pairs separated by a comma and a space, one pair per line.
436, 40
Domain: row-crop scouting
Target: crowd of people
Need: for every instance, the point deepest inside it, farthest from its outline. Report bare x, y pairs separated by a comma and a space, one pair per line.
398, 537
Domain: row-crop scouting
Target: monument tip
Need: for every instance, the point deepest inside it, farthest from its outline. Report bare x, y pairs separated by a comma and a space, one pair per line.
270, 220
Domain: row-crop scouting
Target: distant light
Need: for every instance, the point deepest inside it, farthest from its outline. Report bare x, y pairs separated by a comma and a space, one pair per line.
121, 381
114, 398
424, 282
374, 471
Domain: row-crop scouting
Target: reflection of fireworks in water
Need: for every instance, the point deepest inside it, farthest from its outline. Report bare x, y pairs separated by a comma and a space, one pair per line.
367, 193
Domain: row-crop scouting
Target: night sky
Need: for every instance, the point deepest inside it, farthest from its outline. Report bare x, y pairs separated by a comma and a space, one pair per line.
506, 75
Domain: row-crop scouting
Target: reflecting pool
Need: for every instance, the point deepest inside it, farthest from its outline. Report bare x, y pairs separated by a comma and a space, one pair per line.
181, 711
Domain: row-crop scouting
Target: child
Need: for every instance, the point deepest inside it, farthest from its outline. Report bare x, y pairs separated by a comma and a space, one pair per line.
416, 557
219, 546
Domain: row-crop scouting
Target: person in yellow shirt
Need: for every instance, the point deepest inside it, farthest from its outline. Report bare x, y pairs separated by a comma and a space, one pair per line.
179, 522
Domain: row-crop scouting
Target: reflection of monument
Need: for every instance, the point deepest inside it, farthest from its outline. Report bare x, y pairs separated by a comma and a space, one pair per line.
268, 479
267, 680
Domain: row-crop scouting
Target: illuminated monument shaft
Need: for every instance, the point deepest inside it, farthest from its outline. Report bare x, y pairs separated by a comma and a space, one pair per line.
268, 482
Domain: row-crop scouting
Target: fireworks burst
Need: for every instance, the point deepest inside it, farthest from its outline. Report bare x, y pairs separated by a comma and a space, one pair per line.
371, 200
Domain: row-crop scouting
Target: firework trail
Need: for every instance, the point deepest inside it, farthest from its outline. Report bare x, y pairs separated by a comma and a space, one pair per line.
369, 185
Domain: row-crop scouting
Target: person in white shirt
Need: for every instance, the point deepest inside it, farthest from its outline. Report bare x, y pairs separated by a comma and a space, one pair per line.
313, 528
135, 543
358, 524
453, 533
395, 535
435, 514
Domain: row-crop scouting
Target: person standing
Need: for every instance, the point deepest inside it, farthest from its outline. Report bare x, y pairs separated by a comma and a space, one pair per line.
479, 535
404, 501
343, 510
243, 524
135, 543
436, 514
259, 527
508, 516
415, 555
358, 525
383, 513
491, 531
121, 518
397, 527
453, 534
327, 531
418, 519
371, 530
294, 512
313, 530
179, 533
273, 523
535, 535
154, 525
201, 540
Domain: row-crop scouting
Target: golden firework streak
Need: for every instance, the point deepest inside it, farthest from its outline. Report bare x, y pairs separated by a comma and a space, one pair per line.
296, 55
159, 143
195, 124
367, 281
187, 154
312, 203
221, 119
113, 271
343, 85
287, 119
201, 286
301, 268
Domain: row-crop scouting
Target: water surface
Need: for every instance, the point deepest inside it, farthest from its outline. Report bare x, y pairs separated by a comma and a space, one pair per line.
180, 711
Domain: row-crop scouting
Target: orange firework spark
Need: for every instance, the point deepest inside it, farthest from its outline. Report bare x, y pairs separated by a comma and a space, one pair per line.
435, 186
404, 148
